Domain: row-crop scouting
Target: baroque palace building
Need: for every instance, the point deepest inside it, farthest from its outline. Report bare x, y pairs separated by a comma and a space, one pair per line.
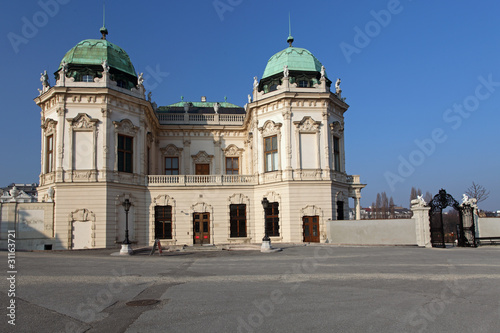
194, 172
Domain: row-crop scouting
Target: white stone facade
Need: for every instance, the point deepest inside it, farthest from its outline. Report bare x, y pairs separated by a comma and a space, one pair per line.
81, 123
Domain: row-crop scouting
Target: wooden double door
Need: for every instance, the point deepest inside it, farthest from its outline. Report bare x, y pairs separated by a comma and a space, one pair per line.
201, 228
311, 229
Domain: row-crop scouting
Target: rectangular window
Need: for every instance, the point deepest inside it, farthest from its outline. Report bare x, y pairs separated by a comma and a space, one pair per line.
272, 219
271, 153
163, 222
125, 153
232, 165
49, 153
171, 165
336, 153
238, 220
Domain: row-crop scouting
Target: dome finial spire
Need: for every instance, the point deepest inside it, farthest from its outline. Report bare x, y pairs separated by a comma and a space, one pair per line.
103, 30
289, 40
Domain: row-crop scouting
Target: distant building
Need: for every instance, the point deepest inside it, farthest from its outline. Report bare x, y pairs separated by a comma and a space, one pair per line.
19, 193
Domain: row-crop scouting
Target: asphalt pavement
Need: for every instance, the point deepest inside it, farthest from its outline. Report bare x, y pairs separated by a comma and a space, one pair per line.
313, 288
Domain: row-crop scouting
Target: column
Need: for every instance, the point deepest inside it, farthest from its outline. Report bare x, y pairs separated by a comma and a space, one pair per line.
422, 225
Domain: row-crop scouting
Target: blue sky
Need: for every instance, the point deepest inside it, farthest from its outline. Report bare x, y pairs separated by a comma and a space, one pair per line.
420, 77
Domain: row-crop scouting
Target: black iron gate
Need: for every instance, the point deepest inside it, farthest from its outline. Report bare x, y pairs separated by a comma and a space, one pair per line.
465, 226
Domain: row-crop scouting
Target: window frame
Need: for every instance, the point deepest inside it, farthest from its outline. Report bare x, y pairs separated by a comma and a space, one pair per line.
166, 218
232, 170
272, 219
273, 152
337, 165
49, 153
171, 168
122, 167
237, 221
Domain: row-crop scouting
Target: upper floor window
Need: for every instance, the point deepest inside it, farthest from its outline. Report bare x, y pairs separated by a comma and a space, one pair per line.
336, 153
49, 153
125, 153
232, 165
121, 84
87, 78
271, 153
171, 165
303, 83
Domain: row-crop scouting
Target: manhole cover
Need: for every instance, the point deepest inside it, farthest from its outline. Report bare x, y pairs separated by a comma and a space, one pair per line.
143, 302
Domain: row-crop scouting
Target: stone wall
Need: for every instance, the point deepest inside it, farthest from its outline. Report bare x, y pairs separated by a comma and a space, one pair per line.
489, 226
32, 223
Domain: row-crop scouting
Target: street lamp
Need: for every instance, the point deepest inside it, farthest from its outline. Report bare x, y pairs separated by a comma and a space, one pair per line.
265, 205
126, 249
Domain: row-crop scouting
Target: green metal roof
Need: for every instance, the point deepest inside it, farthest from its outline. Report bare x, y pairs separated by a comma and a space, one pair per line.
204, 104
94, 51
296, 58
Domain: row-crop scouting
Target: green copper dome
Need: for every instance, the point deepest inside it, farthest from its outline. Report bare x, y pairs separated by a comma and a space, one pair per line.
296, 58
94, 51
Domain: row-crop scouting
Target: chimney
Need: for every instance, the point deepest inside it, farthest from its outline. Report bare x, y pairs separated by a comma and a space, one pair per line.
203, 98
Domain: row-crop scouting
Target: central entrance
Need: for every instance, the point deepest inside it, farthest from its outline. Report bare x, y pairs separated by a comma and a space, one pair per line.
311, 229
201, 228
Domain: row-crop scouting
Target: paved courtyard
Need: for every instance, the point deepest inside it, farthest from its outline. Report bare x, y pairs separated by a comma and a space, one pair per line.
301, 289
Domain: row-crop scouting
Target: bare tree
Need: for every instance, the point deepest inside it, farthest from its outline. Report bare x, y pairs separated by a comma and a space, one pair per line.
478, 192
428, 197
391, 208
378, 203
385, 205
373, 214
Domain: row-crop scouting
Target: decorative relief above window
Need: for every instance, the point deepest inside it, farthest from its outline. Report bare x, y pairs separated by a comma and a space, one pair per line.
171, 150
202, 157
83, 121
270, 128
337, 127
307, 125
126, 127
232, 150
49, 126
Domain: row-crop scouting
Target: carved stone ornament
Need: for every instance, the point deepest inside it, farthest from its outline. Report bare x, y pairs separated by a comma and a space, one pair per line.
307, 125
49, 126
232, 150
82, 215
171, 150
337, 127
270, 128
273, 197
311, 211
164, 200
125, 126
82, 121
418, 202
202, 157
238, 199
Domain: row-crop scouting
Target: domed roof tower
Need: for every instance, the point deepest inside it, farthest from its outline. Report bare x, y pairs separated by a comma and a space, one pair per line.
85, 60
304, 68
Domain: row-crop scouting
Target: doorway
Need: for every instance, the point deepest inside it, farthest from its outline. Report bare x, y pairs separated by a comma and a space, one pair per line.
201, 228
311, 229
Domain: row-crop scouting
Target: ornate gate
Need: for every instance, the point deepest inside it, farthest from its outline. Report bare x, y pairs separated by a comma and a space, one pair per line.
465, 225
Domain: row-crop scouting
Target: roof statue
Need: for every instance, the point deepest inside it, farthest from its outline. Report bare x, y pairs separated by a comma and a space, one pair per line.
44, 78
149, 96
322, 72
418, 202
255, 82
337, 86
105, 66
249, 98
286, 72
140, 79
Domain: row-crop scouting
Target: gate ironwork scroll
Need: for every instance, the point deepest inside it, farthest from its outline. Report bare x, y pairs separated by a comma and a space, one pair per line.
465, 225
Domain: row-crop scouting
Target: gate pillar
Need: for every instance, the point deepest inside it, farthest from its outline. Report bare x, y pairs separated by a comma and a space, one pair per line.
422, 226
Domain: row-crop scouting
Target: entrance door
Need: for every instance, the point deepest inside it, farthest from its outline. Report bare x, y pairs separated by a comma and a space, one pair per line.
201, 228
202, 169
311, 229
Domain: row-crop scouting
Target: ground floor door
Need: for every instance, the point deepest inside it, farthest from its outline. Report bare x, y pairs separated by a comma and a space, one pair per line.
311, 229
201, 228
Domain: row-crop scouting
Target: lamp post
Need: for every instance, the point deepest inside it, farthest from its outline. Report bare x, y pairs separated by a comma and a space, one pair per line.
126, 249
266, 242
